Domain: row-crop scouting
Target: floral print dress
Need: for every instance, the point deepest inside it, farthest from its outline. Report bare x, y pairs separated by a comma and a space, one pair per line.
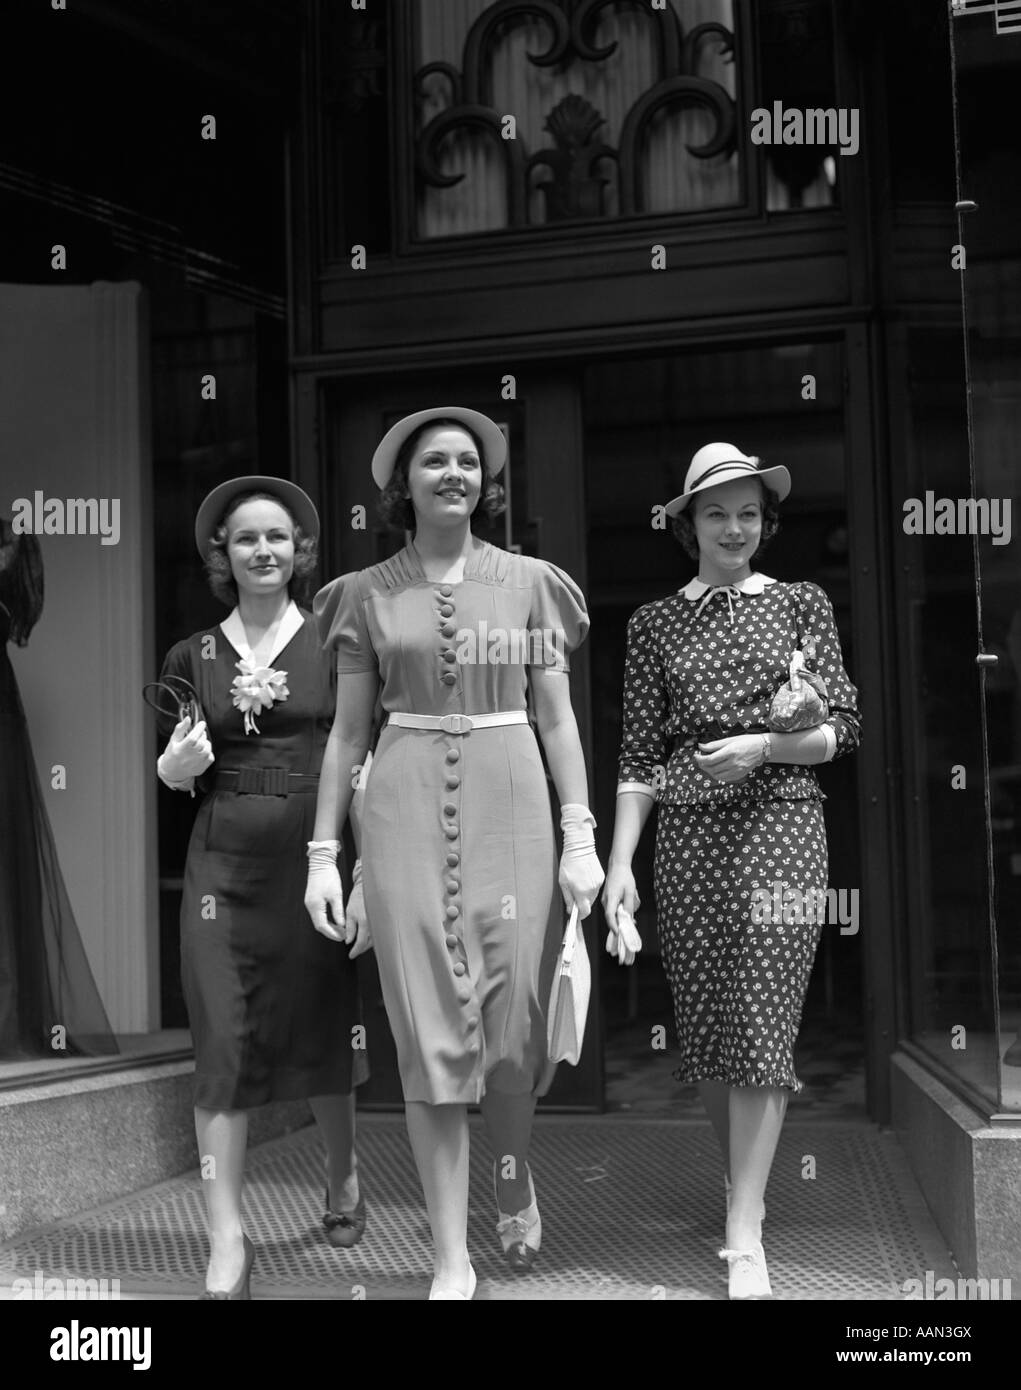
738, 866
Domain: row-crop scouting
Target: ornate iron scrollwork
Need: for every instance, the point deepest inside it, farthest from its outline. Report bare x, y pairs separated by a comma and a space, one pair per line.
796, 67
575, 189
577, 186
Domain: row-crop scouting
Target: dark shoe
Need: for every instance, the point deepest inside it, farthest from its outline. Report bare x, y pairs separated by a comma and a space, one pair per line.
521, 1234
344, 1228
243, 1288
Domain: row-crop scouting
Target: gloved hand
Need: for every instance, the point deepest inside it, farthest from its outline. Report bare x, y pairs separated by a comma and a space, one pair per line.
581, 874
188, 753
324, 895
357, 933
624, 941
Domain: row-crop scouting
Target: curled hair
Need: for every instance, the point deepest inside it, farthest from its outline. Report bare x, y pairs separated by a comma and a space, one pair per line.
21, 581
395, 506
218, 571
684, 528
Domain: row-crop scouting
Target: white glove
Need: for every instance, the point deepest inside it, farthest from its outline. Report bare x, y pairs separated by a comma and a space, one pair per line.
623, 940
188, 753
323, 889
581, 874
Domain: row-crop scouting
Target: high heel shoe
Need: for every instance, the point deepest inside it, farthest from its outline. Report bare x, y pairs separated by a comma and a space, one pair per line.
748, 1277
521, 1234
243, 1288
345, 1228
437, 1295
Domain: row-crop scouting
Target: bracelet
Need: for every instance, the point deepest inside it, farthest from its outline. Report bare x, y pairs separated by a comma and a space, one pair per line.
767, 747
356, 873
333, 845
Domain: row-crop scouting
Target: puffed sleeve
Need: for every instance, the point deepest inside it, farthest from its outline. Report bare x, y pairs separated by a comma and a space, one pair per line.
643, 748
558, 620
818, 622
339, 611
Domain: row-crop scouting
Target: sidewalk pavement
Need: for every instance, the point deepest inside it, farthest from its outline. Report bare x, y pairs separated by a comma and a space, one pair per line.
632, 1208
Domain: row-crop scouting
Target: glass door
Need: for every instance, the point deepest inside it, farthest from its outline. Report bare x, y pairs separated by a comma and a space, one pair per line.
986, 50
644, 418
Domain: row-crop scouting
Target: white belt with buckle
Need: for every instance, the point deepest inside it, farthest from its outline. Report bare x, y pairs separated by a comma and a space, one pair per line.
458, 723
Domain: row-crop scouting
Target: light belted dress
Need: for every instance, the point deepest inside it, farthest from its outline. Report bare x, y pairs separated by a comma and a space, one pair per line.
458, 851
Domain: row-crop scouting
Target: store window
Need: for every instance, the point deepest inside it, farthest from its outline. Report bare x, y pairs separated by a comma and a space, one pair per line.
986, 50
965, 610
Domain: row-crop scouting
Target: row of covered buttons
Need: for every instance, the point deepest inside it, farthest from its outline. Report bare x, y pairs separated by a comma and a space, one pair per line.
452, 882
452, 783
447, 629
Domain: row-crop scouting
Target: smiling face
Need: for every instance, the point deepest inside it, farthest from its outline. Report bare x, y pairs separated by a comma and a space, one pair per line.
444, 476
728, 527
260, 546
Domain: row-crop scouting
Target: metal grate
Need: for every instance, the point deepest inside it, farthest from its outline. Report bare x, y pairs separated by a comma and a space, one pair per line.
632, 1209
1007, 12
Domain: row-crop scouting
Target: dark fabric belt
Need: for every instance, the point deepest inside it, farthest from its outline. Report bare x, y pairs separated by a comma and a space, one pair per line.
265, 781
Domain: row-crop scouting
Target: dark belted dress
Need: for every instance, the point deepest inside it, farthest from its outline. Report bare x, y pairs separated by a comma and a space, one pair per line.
272, 1004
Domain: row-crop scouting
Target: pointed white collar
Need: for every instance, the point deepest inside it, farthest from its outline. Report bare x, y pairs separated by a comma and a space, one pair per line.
754, 584
290, 625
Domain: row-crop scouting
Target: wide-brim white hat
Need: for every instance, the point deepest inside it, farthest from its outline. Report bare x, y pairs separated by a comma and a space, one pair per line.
489, 434
210, 513
718, 463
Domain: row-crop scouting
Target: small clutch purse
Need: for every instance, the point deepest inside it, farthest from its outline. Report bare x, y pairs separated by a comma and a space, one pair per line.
174, 698
569, 997
802, 702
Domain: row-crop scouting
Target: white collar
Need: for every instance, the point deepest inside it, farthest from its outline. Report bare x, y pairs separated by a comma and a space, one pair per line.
754, 584
234, 630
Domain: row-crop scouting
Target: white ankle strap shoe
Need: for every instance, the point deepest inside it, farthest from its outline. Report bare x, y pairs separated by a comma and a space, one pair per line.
440, 1295
748, 1276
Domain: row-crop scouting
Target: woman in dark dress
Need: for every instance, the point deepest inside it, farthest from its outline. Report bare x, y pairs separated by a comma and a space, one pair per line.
739, 812
272, 1005
49, 1003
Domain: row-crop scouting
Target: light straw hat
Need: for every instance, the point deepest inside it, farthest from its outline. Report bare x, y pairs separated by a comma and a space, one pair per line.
489, 434
714, 464
210, 513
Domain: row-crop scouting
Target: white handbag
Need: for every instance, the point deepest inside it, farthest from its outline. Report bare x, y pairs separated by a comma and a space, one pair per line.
569, 997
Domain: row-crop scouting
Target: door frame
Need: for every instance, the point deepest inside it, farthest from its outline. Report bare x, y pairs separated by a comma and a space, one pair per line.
549, 417
868, 487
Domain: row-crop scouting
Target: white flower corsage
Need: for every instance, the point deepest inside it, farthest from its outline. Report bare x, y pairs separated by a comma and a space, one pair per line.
256, 689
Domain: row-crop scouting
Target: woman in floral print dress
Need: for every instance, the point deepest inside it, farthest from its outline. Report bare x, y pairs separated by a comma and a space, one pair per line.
739, 812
